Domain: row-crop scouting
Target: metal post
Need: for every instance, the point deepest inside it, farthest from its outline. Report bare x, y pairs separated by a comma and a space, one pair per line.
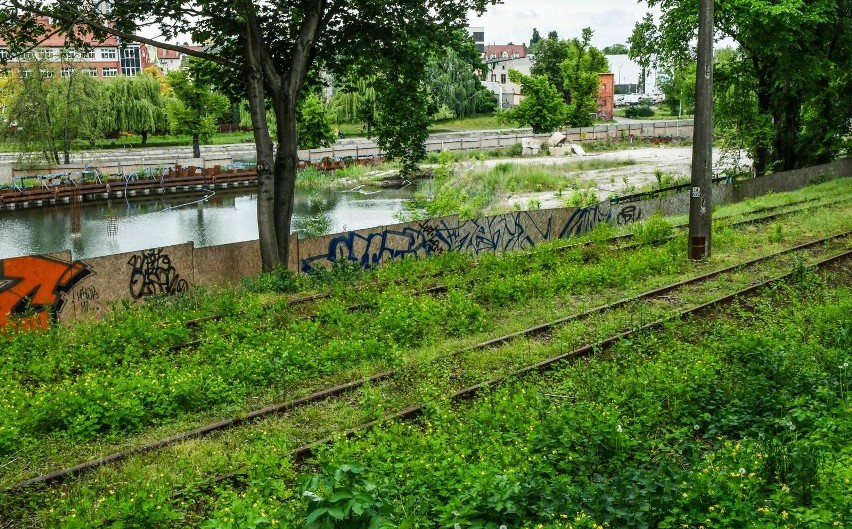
701, 203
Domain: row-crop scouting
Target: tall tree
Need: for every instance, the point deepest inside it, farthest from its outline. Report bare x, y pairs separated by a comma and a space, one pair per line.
266, 49
548, 56
581, 71
455, 85
53, 107
792, 63
313, 123
136, 104
643, 45
535, 37
541, 108
195, 107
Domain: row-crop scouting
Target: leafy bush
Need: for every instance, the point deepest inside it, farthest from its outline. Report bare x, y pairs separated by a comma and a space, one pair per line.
639, 111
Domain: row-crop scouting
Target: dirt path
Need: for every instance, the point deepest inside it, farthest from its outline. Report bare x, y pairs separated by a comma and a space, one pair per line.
676, 161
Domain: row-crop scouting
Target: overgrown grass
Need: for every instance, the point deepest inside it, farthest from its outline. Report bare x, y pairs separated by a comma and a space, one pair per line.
115, 379
478, 192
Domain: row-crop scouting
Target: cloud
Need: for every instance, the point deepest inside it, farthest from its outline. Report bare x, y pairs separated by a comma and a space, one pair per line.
514, 20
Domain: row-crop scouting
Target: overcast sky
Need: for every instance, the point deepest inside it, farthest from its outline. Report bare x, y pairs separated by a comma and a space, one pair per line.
514, 20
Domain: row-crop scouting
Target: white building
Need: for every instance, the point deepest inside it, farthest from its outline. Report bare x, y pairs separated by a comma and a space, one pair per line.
499, 59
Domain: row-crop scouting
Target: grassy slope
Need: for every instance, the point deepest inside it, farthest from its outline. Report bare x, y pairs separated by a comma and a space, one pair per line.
506, 304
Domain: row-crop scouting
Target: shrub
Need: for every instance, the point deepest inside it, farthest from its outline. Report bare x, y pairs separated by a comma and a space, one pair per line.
639, 111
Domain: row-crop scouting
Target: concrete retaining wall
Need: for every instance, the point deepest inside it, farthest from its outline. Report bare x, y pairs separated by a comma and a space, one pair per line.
38, 290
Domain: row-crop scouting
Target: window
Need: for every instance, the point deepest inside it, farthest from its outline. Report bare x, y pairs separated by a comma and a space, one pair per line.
109, 72
46, 55
67, 72
502, 78
493, 77
26, 73
131, 63
515, 55
91, 72
4, 54
493, 56
28, 56
47, 73
109, 53
505, 54
87, 54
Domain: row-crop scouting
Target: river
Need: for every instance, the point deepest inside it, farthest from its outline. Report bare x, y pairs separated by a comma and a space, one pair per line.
101, 228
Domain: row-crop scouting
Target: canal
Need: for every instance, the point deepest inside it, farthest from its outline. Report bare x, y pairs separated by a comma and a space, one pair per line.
126, 225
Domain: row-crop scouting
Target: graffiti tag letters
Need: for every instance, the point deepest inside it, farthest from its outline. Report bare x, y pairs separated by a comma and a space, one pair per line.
153, 273
33, 289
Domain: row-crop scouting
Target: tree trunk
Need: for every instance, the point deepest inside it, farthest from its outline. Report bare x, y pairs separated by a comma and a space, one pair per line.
764, 107
789, 131
286, 164
144, 135
196, 146
263, 147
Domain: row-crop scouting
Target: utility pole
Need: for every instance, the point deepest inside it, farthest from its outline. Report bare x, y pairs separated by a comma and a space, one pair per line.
701, 200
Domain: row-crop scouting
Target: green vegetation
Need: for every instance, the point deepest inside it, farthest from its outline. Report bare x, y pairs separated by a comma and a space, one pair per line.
744, 427
478, 192
97, 386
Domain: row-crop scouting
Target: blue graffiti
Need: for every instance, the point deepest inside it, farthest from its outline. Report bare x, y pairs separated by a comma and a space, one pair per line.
501, 233
371, 248
495, 234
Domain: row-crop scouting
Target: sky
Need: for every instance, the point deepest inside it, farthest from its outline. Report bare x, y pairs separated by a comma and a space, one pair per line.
513, 21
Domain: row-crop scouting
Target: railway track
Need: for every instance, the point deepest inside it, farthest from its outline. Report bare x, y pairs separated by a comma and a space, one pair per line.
541, 330
440, 288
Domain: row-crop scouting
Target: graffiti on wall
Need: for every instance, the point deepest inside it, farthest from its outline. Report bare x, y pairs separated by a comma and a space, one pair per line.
584, 220
372, 248
501, 233
33, 289
628, 215
152, 273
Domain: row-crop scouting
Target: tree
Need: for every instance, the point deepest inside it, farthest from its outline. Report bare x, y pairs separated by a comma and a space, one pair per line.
678, 85
643, 43
195, 108
580, 71
313, 123
535, 37
615, 49
30, 120
541, 108
455, 85
266, 51
48, 113
548, 56
136, 104
553, 35
790, 74
355, 103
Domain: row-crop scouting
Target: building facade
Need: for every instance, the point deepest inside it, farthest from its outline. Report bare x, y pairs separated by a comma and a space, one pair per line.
499, 59
606, 95
105, 58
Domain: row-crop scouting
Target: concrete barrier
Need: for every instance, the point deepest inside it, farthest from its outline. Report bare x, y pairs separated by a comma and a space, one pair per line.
37, 290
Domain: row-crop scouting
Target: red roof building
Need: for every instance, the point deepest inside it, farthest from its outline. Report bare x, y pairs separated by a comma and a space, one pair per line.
505, 51
103, 58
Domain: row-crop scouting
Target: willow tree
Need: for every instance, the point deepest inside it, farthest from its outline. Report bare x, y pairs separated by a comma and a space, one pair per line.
269, 48
135, 104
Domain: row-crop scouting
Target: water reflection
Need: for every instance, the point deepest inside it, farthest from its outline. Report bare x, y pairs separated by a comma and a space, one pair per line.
120, 225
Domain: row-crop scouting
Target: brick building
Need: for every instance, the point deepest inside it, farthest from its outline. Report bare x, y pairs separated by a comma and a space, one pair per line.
105, 58
606, 95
